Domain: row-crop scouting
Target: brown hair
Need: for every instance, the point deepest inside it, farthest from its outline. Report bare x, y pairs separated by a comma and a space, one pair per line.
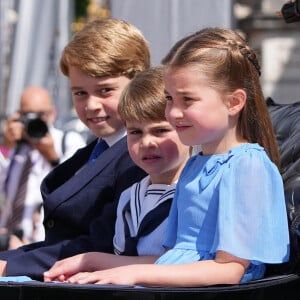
143, 98
107, 47
224, 57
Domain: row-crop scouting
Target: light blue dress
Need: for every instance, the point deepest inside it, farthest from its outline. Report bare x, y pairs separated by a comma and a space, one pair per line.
232, 202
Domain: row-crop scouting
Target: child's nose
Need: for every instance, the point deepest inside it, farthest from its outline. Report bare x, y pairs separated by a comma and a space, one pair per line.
174, 112
93, 103
147, 141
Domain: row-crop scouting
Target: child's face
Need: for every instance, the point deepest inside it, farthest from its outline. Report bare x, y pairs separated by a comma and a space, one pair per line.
155, 147
96, 101
197, 111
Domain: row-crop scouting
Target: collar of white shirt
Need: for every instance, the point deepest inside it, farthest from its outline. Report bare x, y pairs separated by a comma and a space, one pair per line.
112, 139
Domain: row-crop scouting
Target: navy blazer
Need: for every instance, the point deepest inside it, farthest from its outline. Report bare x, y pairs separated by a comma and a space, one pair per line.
80, 204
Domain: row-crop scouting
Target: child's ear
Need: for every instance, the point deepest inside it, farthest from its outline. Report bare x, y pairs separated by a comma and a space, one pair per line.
236, 101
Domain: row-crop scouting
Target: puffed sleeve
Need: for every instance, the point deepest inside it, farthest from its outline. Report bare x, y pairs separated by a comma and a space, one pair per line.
252, 220
171, 232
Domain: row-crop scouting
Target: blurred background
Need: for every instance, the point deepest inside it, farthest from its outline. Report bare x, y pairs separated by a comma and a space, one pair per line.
34, 32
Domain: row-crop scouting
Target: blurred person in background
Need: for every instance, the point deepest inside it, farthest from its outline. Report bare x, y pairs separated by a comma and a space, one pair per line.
35, 147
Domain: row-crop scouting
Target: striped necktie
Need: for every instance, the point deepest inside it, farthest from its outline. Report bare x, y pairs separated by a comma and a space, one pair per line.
16, 188
100, 147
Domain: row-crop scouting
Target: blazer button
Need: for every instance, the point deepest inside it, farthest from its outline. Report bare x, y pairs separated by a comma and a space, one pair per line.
50, 223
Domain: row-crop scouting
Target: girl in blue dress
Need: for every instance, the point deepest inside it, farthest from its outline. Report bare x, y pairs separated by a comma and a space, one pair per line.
228, 218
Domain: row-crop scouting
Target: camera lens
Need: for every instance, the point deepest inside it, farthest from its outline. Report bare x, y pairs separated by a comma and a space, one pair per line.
36, 128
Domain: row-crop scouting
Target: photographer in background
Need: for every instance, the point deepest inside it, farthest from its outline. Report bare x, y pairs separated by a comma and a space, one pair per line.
35, 148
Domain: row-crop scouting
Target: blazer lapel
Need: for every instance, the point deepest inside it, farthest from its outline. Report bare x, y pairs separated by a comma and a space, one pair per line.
82, 178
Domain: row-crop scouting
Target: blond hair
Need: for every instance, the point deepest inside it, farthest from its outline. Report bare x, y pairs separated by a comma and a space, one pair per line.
107, 47
143, 98
224, 57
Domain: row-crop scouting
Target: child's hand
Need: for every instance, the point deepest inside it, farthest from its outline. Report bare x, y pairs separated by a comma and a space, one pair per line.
62, 269
124, 275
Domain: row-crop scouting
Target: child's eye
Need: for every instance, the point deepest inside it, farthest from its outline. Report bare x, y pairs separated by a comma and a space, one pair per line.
104, 91
79, 93
134, 132
169, 98
162, 130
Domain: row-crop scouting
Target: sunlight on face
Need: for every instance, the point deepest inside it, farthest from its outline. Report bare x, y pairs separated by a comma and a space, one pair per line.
155, 147
197, 111
96, 101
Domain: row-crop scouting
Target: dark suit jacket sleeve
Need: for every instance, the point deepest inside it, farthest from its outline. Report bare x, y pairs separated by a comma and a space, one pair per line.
34, 259
31, 260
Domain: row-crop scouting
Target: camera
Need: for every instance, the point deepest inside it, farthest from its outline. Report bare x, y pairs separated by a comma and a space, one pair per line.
34, 126
290, 11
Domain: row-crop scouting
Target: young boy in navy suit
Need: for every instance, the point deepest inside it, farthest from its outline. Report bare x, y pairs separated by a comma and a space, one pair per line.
80, 198
143, 208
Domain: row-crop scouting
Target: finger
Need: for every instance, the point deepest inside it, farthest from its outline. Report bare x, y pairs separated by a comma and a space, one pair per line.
103, 281
47, 277
88, 279
74, 278
62, 278
50, 274
83, 278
